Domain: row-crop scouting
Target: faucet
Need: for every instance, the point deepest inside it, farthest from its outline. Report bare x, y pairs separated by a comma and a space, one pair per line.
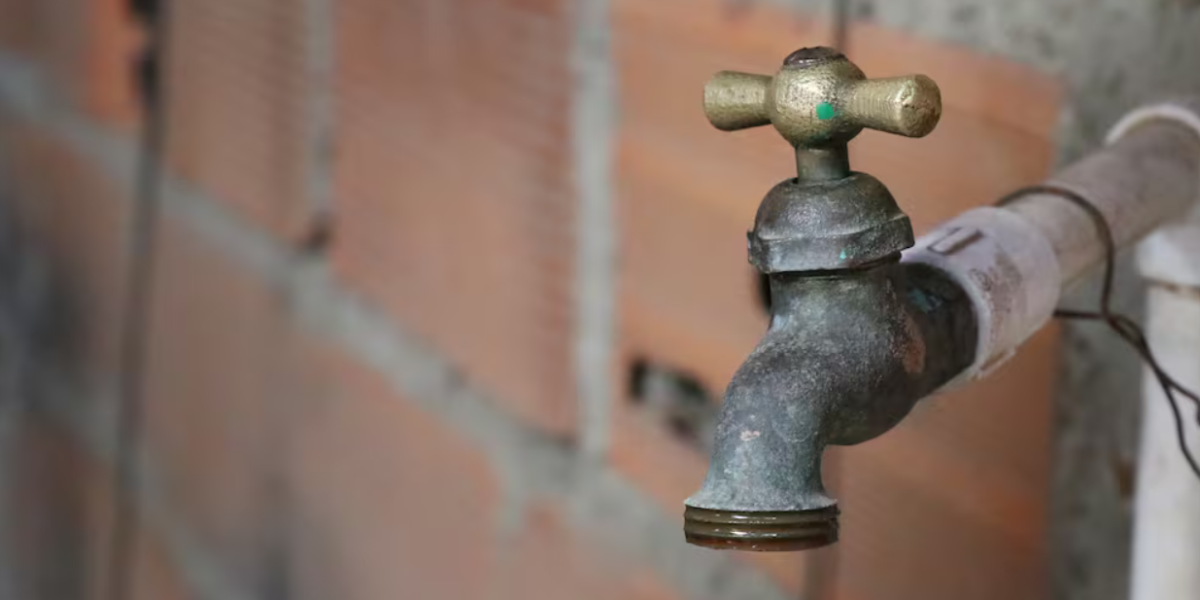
856, 336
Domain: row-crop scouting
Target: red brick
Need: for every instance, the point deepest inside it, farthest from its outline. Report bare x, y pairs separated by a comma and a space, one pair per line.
57, 513
389, 501
1004, 113
87, 46
988, 87
220, 380
72, 215
688, 300
18, 28
456, 212
239, 85
158, 576
392, 502
952, 503
114, 40
59, 522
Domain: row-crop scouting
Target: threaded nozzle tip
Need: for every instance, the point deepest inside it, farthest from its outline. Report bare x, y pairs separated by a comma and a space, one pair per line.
787, 531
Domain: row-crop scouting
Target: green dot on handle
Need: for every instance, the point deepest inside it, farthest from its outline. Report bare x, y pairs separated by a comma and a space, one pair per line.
826, 111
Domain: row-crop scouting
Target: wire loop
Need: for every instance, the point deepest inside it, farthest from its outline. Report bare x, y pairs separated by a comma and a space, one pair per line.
1122, 325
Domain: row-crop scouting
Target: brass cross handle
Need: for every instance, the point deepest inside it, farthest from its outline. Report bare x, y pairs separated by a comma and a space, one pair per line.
819, 99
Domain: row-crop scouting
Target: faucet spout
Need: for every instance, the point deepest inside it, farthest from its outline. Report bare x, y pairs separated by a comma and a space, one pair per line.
847, 355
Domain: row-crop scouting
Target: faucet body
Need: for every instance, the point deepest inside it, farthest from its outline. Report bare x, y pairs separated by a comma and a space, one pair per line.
856, 337
847, 355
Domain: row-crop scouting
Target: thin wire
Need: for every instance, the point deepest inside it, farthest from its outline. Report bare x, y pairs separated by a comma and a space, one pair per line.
1122, 325
135, 324
841, 24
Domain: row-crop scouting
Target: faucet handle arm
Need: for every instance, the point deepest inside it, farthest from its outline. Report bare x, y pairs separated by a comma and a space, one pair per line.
734, 100
908, 106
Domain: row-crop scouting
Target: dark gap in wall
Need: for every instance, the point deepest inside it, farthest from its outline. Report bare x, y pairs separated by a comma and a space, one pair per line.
841, 23
145, 67
635, 388
146, 74
679, 401
144, 10
319, 235
133, 349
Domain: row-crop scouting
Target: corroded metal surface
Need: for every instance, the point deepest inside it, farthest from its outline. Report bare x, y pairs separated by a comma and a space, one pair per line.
846, 357
827, 224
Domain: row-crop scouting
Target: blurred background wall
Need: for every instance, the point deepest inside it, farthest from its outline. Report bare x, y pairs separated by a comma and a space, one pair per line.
445, 292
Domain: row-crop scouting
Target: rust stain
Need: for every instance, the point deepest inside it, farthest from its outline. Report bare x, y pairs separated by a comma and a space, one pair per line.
914, 350
1125, 476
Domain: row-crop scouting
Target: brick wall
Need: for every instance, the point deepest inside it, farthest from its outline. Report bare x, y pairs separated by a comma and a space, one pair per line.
386, 277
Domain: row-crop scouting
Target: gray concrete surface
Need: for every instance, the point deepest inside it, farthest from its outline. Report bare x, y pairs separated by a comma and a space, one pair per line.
593, 132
